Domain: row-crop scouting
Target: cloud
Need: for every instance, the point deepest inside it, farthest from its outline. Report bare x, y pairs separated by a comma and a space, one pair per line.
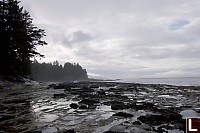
77, 37
118, 38
178, 73
80, 36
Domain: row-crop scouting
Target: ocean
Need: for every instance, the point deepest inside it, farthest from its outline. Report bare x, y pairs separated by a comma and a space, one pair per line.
186, 81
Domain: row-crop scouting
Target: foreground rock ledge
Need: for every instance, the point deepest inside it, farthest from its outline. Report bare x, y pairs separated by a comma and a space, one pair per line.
96, 107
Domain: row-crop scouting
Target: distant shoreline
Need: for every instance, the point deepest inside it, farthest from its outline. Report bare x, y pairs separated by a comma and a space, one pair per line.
180, 81
31, 83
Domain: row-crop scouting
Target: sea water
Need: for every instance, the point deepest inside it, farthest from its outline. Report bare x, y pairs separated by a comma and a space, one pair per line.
186, 81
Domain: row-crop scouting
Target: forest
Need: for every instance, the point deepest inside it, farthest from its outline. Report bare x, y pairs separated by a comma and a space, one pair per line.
56, 72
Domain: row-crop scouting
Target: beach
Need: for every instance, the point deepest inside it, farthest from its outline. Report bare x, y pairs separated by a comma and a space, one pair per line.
98, 107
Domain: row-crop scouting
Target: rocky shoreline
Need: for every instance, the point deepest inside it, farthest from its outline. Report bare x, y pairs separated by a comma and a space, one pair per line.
99, 107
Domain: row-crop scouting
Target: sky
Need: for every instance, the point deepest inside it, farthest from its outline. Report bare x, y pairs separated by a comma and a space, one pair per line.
121, 38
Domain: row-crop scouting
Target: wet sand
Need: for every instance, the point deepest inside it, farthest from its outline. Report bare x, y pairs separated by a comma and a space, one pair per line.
97, 107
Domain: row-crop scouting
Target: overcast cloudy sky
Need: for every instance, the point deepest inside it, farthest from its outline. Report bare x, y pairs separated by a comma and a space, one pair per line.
121, 38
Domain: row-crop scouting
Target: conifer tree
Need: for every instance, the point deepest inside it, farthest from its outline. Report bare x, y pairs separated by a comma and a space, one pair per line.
19, 38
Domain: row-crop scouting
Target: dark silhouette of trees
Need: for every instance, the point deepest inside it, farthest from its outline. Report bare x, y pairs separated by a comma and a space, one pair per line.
19, 38
55, 72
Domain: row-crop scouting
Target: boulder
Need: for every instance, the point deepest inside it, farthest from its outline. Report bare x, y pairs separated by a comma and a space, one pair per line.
83, 106
161, 119
118, 105
74, 105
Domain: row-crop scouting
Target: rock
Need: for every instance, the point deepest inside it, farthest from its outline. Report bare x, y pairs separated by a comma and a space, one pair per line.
16, 93
51, 86
74, 105
85, 88
92, 106
86, 95
62, 86
137, 123
16, 101
94, 86
152, 119
143, 106
118, 105
112, 132
33, 131
161, 119
101, 92
7, 117
140, 130
88, 101
118, 128
123, 114
59, 86
57, 96
83, 107
69, 131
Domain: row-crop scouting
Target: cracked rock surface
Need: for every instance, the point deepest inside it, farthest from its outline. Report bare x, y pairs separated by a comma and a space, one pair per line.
97, 107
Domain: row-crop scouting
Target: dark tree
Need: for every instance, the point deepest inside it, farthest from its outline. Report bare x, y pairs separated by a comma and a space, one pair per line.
19, 38
56, 72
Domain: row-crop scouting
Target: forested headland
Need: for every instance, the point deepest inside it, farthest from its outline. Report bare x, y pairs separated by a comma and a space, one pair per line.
56, 72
